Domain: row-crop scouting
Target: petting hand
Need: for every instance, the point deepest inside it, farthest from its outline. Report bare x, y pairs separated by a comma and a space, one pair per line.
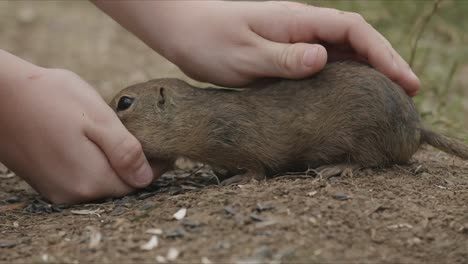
60, 136
233, 43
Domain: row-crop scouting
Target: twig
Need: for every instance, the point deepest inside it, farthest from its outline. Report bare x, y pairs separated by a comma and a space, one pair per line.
426, 20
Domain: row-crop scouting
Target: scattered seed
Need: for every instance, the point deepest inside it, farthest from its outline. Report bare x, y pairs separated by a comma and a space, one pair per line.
188, 187
179, 215
403, 225
265, 223
161, 259
151, 244
414, 241
45, 257
313, 220
7, 176
3, 169
205, 260
154, 231
172, 254
88, 212
145, 195
94, 237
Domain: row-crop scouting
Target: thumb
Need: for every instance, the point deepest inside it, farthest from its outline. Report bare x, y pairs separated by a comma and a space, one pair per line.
293, 61
123, 151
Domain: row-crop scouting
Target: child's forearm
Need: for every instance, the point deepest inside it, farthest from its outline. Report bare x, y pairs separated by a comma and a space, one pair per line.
143, 18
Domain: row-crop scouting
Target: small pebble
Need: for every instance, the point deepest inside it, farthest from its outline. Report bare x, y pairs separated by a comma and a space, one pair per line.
264, 207
230, 210
256, 217
118, 211
176, 233
340, 196
12, 199
8, 243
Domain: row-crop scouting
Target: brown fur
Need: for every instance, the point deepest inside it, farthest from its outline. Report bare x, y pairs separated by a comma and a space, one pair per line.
348, 113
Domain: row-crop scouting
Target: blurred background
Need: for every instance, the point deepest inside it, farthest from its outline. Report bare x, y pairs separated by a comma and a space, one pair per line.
75, 35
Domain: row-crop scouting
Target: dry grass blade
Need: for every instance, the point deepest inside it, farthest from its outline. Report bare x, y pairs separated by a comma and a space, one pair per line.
426, 20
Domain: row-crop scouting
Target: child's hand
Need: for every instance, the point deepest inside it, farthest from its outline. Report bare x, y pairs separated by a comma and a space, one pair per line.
233, 43
61, 137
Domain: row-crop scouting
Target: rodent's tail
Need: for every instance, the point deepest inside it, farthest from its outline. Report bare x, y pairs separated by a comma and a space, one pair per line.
444, 143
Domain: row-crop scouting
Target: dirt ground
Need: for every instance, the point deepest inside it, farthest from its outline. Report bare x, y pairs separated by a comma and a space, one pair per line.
405, 214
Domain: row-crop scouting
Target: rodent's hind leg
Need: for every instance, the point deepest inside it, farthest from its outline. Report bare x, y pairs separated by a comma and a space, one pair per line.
244, 178
340, 169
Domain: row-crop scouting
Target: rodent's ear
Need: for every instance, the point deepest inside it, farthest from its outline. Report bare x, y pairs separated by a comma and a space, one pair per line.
161, 98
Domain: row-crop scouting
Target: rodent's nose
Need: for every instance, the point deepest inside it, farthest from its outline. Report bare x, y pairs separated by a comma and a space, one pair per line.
124, 103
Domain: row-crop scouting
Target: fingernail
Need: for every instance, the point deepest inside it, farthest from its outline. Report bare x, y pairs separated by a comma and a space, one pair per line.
310, 57
144, 175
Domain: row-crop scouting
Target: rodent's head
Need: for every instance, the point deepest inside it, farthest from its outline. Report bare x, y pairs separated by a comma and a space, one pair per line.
148, 110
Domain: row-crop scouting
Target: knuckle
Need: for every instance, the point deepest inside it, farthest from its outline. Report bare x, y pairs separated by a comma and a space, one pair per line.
356, 17
287, 61
63, 73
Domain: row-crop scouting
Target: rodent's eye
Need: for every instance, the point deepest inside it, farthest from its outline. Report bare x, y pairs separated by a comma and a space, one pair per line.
124, 103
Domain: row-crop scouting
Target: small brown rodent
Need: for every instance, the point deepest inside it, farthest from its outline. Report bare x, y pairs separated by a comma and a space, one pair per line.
348, 115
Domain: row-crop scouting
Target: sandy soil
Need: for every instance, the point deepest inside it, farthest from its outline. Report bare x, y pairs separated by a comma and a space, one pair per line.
408, 214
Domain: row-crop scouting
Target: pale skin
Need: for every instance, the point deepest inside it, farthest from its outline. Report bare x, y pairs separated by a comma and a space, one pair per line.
62, 138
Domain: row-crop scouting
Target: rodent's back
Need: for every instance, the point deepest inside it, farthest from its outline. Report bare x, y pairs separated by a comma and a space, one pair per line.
347, 112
